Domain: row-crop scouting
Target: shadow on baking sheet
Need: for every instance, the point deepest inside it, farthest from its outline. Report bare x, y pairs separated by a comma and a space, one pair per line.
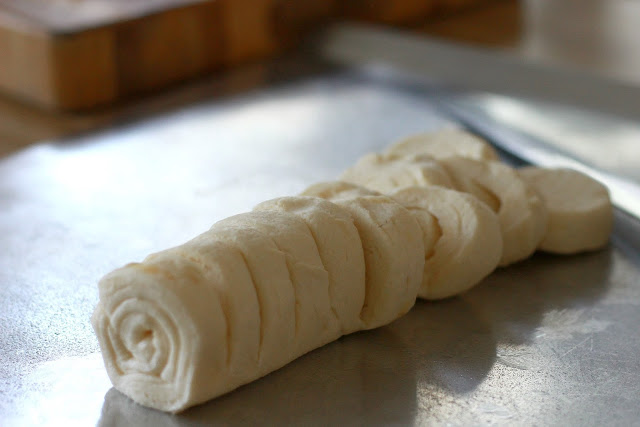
436, 352
520, 300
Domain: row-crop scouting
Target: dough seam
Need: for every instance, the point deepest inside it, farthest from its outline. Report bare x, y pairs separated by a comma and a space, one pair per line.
331, 305
490, 194
260, 298
223, 298
438, 230
296, 307
367, 267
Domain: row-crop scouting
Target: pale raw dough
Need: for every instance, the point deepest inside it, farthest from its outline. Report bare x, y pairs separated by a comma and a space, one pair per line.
198, 320
393, 251
340, 249
469, 241
167, 339
332, 190
262, 288
389, 173
315, 323
580, 210
522, 214
276, 293
444, 143
224, 267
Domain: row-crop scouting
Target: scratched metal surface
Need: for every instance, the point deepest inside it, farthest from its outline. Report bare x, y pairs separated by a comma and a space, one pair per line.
550, 341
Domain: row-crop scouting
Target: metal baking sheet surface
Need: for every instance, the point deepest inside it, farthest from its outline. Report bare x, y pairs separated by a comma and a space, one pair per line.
552, 340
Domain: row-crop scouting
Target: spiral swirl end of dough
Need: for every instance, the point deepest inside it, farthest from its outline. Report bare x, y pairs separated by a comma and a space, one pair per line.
147, 348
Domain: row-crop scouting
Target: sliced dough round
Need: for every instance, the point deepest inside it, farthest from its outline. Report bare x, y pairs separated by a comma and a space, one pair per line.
333, 190
315, 323
522, 214
443, 143
340, 249
389, 173
276, 298
580, 210
469, 244
393, 255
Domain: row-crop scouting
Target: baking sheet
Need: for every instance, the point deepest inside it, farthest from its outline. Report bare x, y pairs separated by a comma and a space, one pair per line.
552, 340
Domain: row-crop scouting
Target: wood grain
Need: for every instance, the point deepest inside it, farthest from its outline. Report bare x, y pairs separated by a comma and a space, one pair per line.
76, 55
178, 44
26, 63
62, 64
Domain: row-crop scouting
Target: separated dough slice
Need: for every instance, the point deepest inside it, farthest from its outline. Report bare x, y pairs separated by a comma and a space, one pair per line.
340, 249
276, 298
469, 240
223, 268
315, 323
580, 210
389, 173
393, 254
332, 190
521, 212
444, 143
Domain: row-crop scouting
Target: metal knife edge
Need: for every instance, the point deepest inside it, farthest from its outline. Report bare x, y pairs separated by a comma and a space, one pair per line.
358, 45
439, 67
625, 193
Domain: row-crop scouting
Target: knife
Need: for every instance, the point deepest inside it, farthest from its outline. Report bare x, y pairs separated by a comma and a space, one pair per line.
624, 192
358, 45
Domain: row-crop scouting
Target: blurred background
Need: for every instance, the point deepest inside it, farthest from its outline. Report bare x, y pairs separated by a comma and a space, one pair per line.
70, 66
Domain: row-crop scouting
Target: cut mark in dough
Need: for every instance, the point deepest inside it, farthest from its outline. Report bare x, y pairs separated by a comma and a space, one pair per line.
314, 322
467, 244
268, 268
260, 299
394, 257
315, 242
340, 252
224, 303
522, 214
490, 197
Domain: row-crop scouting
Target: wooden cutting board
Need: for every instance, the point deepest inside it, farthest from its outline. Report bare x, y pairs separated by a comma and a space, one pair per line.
79, 54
